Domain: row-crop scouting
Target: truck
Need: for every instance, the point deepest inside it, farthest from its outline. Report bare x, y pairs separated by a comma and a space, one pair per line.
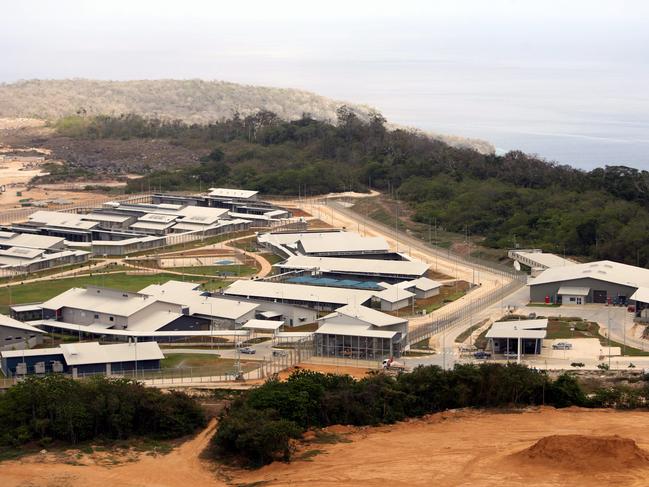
391, 364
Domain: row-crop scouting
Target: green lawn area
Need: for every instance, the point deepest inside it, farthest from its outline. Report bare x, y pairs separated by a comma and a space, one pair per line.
44, 290
466, 333
203, 363
446, 294
272, 258
215, 270
572, 328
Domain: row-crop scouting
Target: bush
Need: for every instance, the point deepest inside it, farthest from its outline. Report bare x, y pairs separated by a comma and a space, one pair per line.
54, 407
258, 436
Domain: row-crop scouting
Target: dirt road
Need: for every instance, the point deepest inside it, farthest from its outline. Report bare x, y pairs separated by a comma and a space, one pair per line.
182, 467
463, 448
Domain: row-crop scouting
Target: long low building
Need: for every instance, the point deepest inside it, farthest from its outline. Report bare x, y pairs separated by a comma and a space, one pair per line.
366, 268
537, 260
83, 358
319, 297
595, 282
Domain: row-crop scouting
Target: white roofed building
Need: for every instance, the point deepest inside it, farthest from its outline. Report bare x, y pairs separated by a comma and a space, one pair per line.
523, 337
360, 267
361, 333
83, 358
594, 282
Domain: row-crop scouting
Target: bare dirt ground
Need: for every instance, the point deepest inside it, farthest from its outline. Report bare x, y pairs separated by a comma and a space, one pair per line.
461, 448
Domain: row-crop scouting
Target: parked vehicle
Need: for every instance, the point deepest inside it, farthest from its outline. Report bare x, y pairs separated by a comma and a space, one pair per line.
391, 364
562, 346
481, 354
510, 355
248, 350
280, 353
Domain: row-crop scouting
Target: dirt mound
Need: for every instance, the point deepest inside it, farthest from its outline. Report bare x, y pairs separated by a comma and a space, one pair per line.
586, 452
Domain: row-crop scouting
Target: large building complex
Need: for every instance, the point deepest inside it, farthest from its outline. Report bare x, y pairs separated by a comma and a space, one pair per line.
120, 228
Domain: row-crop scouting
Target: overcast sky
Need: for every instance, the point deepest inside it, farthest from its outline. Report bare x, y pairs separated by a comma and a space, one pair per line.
548, 76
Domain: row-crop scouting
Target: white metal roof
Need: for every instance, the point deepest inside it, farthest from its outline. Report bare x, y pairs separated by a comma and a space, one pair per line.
21, 253
394, 294
604, 270
270, 314
146, 225
8, 322
297, 292
262, 325
26, 307
342, 242
544, 260
61, 219
101, 300
421, 283
573, 291
157, 218
154, 320
232, 193
32, 352
375, 267
519, 329
641, 294
185, 294
106, 217
286, 238
353, 330
30, 241
367, 315
94, 353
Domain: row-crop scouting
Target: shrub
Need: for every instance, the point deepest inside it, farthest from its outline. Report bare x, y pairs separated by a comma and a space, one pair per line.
54, 407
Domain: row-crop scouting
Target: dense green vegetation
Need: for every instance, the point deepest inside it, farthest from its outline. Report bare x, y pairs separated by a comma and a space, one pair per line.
511, 199
56, 408
258, 426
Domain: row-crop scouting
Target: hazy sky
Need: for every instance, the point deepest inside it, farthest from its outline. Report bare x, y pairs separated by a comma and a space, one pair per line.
566, 79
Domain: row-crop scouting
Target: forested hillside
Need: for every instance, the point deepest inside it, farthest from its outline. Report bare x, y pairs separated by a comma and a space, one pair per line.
603, 213
191, 101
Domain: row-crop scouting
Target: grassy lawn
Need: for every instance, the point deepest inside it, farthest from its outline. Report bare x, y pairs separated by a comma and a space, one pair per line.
272, 258
44, 290
571, 328
446, 294
175, 360
248, 244
192, 245
214, 270
49, 272
179, 365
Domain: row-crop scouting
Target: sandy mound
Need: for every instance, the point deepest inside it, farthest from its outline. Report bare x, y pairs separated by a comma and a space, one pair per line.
585, 452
